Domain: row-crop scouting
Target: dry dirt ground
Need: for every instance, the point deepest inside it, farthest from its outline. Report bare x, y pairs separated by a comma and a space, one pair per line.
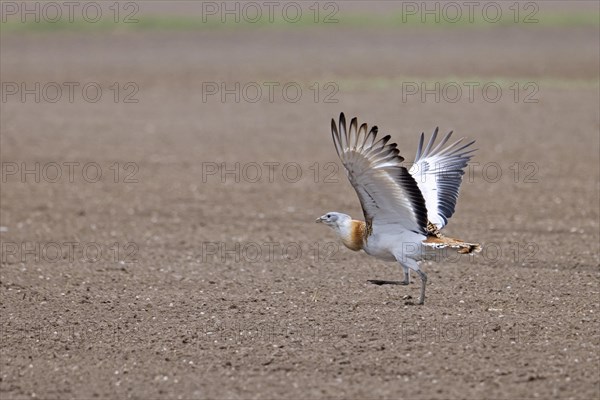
174, 275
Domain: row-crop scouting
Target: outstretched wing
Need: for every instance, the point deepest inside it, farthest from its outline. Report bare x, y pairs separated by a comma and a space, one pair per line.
387, 192
438, 172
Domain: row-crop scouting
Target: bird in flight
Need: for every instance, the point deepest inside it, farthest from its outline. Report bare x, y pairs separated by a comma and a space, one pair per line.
404, 209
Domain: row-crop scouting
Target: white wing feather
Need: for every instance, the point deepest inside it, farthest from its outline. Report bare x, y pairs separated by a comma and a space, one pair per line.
387, 191
438, 173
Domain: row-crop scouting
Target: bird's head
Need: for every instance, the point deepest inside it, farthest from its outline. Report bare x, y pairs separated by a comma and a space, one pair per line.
335, 220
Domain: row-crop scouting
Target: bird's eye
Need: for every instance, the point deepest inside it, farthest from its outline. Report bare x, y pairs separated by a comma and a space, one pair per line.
328, 215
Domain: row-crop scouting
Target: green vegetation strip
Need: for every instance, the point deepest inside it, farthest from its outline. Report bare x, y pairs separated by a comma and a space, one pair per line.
465, 83
388, 21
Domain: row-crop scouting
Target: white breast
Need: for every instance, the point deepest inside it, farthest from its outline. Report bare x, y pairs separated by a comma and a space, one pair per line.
387, 244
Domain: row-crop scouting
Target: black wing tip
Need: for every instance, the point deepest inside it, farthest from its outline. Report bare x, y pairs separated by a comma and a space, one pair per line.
436, 131
342, 120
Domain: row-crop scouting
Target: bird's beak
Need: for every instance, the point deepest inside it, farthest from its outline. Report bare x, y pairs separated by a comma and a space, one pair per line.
319, 220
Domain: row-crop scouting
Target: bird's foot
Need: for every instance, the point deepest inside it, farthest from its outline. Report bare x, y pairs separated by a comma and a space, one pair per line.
380, 282
408, 302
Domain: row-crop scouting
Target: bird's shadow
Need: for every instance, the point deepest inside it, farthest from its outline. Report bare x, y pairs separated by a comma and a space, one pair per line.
384, 282
407, 297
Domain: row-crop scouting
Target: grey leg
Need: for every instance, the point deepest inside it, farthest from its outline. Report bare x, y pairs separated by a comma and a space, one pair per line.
423, 277
406, 280
408, 264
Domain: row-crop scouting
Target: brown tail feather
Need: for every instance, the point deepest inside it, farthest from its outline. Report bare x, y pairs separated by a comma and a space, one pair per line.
440, 241
470, 248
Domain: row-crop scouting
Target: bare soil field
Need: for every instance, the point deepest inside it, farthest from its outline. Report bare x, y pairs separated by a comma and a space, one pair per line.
166, 248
